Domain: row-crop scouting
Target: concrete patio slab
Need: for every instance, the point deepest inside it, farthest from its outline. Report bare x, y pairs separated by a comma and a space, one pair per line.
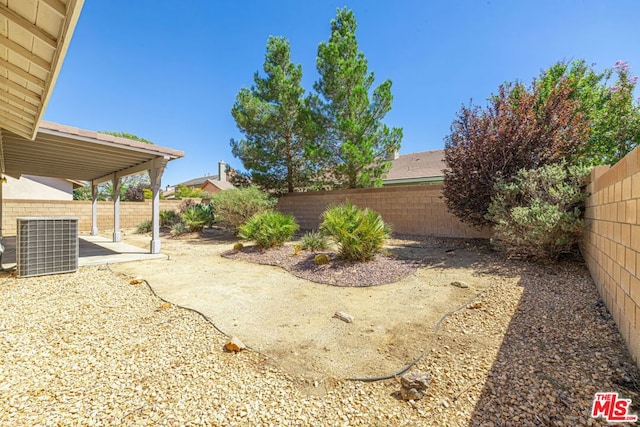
93, 250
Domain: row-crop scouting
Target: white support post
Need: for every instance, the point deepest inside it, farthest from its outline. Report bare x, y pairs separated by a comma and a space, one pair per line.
117, 235
94, 209
155, 175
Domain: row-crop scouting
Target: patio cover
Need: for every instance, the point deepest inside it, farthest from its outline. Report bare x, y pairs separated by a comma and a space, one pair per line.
34, 37
67, 152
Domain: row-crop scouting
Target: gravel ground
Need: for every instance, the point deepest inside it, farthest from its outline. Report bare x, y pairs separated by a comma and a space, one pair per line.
89, 348
381, 270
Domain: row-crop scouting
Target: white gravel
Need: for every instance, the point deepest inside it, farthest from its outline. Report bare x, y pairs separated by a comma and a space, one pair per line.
89, 348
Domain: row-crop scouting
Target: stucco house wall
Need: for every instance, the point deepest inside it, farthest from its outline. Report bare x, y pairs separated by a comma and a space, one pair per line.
29, 187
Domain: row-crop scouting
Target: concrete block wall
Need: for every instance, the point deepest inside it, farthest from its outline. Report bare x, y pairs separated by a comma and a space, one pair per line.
131, 213
611, 244
414, 209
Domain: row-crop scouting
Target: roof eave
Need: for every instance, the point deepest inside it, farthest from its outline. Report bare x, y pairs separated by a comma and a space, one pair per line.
141, 147
430, 179
74, 7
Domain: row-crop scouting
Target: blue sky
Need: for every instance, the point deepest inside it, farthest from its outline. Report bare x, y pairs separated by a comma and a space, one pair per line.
170, 74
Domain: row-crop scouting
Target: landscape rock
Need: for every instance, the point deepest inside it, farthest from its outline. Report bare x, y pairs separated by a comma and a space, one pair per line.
345, 317
234, 345
414, 385
460, 284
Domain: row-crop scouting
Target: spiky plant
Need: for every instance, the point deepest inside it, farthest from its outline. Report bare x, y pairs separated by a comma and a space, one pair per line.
358, 233
269, 229
314, 241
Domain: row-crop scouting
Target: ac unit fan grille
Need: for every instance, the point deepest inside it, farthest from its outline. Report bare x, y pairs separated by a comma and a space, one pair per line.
46, 246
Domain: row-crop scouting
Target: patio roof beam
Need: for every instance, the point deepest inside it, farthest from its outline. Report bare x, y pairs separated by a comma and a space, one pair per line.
13, 122
27, 106
23, 90
25, 53
37, 32
15, 111
132, 170
35, 151
57, 6
79, 141
9, 67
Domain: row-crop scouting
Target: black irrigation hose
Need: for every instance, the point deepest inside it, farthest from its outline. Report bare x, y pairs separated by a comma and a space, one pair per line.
204, 316
364, 379
388, 377
417, 359
466, 303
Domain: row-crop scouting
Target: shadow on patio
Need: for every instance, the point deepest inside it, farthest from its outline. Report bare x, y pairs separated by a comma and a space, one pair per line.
93, 250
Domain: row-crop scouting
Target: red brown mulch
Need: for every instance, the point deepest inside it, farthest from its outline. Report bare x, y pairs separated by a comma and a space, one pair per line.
381, 270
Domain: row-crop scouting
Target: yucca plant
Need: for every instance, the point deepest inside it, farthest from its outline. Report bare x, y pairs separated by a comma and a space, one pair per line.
193, 219
144, 227
358, 233
269, 229
178, 229
207, 213
198, 216
168, 218
314, 241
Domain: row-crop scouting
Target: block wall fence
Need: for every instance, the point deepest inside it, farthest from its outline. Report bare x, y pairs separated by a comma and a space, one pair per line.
611, 244
131, 213
610, 247
413, 209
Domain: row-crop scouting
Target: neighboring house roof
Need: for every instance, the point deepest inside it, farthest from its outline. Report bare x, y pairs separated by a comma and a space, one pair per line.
425, 166
199, 182
222, 185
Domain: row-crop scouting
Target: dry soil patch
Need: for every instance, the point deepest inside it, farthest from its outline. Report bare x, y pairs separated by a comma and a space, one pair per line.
291, 319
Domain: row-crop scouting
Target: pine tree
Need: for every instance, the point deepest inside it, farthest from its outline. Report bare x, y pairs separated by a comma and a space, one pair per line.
355, 143
275, 120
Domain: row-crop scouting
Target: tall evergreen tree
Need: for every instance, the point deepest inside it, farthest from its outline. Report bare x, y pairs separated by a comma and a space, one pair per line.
355, 143
275, 120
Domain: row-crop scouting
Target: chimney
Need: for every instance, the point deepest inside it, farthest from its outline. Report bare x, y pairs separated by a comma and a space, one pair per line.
222, 171
393, 155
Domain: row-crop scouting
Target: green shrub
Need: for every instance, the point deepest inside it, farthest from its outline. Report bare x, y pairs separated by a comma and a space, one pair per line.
193, 219
178, 229
144, 227
269, 229
314, 241
183, 192
234, 207
538, 214
359, 233
206, 211
198, 216
168, 218
186, 205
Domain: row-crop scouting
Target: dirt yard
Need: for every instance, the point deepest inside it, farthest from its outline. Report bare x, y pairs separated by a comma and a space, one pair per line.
291, 319
90, 348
